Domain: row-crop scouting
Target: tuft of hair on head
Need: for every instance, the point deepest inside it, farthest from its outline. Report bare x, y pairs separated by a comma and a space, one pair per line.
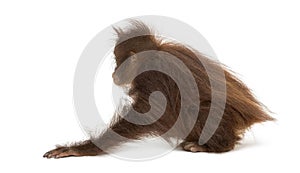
135, 29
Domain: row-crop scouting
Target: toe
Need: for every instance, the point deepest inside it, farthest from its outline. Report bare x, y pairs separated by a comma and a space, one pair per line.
193, 147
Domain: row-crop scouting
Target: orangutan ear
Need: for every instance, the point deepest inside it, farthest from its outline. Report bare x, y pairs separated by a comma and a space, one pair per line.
131, 53
133, 56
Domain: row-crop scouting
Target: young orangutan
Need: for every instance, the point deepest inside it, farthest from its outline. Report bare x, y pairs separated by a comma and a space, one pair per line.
241, 109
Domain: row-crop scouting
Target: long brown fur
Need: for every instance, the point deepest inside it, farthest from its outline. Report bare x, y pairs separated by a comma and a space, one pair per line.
242, 109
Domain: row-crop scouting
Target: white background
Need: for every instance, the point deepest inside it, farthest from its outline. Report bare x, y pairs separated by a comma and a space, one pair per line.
40, 44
